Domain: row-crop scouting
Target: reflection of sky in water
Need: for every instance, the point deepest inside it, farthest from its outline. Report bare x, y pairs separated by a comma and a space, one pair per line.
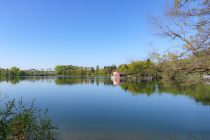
91, 111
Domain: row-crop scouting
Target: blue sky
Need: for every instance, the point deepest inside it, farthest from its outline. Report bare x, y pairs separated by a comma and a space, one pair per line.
45, 33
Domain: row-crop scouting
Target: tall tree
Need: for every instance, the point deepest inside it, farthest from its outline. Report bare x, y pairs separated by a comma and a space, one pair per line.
187, 21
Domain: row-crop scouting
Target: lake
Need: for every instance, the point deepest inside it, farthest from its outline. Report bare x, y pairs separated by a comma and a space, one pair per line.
100, 109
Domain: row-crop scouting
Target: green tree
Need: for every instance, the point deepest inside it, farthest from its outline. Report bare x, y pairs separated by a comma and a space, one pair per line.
123, 68
14, 71
187, 21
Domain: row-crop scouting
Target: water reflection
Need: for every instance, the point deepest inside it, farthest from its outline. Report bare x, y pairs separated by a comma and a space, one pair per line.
16, 80
116, 81
97, 108
76, 80
135, 88
200, 92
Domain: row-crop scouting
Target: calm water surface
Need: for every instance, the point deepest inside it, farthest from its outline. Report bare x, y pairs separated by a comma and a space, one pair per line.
96, 109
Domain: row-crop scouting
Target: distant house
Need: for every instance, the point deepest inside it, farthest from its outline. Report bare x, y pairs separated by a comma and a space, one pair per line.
117, 75
86, 68
32, 70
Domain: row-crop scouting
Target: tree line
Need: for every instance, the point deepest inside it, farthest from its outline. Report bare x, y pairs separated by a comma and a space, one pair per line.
133, 68
15, 71
71, 70
167, 66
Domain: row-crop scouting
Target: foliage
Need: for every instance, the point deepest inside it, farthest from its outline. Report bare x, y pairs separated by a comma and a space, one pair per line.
170, 65
139, 69
187, 22
83, 71
22, 122
14, 71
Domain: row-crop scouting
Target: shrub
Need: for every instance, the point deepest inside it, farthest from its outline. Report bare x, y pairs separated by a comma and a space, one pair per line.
19, 121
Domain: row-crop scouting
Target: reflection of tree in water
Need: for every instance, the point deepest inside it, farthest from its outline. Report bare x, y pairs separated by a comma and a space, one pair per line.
199, 92
73, 81
138, 88
12, 80
17, 79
